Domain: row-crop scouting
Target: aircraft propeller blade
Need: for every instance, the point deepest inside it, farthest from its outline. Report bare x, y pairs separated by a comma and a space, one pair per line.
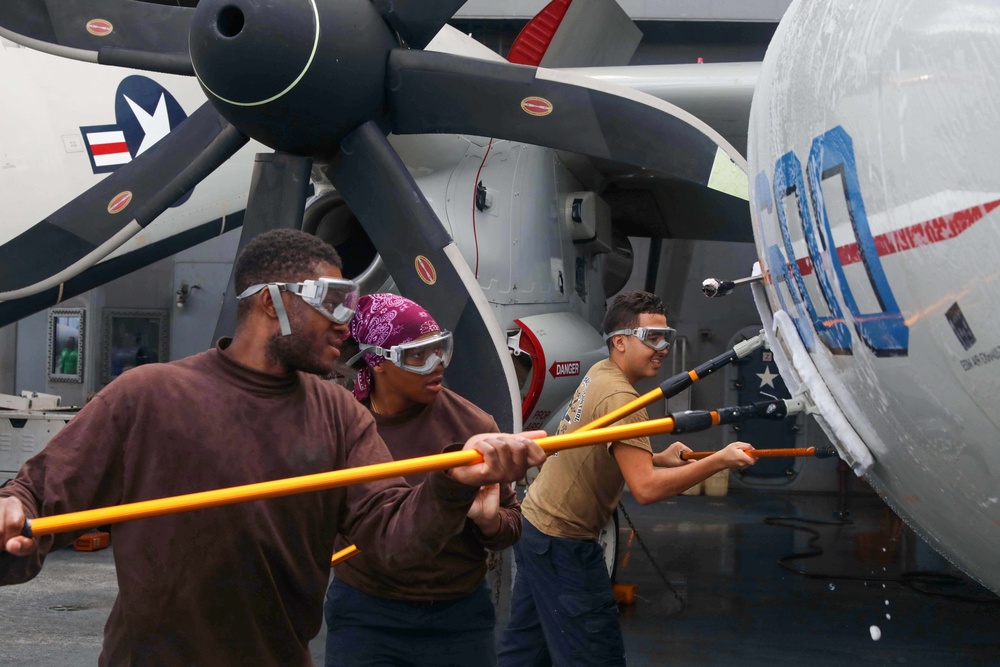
417, 21
332, 82
441, 93
116, 267
126, 33
427, 267
90, 227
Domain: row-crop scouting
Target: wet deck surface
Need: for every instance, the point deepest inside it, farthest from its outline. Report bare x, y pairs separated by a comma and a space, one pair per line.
720, 556
869, 578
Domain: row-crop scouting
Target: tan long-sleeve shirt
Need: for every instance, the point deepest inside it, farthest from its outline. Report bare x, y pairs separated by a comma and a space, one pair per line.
577, 490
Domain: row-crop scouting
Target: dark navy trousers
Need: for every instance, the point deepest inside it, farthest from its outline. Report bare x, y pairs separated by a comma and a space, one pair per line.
363, 630
563, 609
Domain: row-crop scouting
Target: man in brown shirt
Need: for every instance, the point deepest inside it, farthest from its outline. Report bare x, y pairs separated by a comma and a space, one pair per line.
563, 611
241, 584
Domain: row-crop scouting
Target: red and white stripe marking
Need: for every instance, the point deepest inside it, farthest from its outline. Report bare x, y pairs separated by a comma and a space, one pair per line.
108, 148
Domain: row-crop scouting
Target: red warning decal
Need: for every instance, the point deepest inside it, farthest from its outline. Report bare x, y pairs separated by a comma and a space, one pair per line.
561, 369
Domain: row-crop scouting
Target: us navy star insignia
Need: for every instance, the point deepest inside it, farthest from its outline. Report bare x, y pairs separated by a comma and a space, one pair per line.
155, 125
767, 378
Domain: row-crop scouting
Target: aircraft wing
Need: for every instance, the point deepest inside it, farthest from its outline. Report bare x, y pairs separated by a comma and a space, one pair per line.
647, 203
597, 40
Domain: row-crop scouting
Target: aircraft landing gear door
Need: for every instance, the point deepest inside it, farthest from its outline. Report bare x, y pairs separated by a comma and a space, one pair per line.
751, 380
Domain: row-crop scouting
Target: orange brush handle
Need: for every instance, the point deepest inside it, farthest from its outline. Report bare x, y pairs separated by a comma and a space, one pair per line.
344, 554
236, 494
648, 398
758, 453
326, 480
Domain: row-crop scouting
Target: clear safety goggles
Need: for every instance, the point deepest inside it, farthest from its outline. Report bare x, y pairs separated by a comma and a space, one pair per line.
335, 298
418, 356
657, 338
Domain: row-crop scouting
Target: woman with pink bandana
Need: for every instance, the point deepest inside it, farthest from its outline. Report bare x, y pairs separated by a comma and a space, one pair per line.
441, 612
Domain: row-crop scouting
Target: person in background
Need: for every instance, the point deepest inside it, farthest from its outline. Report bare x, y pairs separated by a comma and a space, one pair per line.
241, 584
563, 610
68, 358
438, 611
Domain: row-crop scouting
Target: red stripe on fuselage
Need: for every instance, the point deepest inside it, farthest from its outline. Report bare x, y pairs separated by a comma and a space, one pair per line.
925, 233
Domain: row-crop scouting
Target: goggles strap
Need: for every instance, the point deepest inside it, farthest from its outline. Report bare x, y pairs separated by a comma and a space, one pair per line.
354, 359
375, 349
279, 308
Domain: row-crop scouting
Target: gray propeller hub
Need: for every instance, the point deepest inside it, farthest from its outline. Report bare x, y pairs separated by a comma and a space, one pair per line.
296, 75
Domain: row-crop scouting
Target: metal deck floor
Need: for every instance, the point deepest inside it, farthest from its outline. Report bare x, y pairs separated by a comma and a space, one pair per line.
876, 594
718, 554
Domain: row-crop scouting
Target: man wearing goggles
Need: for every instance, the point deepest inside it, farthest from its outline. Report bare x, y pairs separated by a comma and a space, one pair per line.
335, 298
655, 338
243, 584
642, 347
305, 341
576, 492
371, 609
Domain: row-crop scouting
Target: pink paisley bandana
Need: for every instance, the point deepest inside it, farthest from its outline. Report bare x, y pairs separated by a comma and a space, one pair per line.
386, 320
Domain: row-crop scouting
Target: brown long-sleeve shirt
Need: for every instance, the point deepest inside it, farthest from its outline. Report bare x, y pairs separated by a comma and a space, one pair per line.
459, 568
240, 584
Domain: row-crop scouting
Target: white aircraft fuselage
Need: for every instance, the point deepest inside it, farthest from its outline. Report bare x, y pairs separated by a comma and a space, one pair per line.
59, 102
873, 195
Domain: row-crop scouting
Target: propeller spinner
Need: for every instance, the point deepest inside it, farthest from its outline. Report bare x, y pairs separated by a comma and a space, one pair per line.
298, 75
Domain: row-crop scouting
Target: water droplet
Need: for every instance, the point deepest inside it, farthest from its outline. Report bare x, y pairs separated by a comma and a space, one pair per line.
888, 617
886, 603
832, 587
876, 633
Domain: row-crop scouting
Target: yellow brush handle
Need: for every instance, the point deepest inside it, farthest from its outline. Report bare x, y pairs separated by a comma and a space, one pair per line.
609, 418
344, 554
648, 398
326, 480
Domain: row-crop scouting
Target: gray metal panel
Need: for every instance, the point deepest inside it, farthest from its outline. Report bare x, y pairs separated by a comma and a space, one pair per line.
31, 359
8, 358
24, 434
593, 33
643, 10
